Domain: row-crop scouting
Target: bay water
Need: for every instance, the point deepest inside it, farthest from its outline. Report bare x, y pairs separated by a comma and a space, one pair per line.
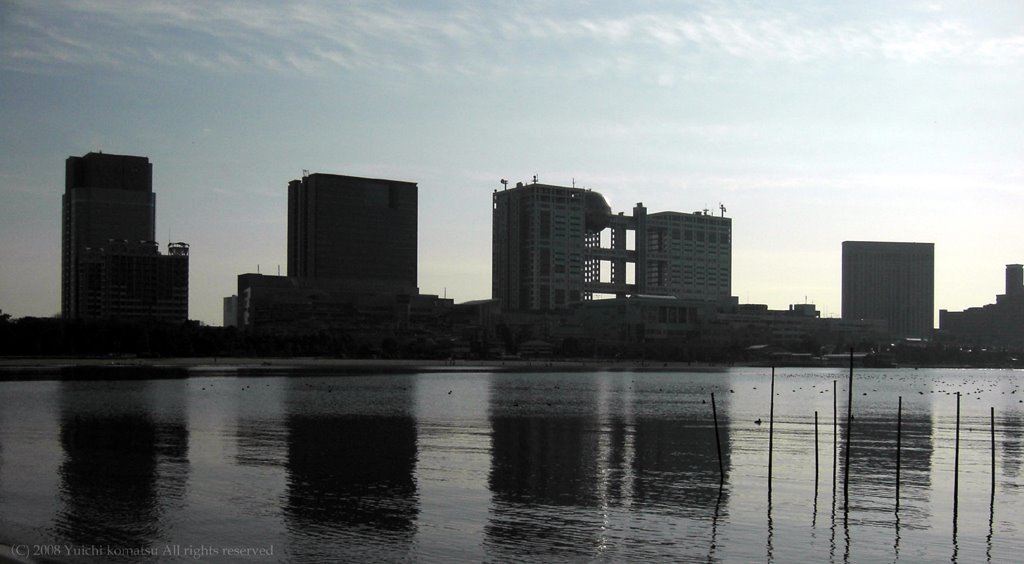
307, 465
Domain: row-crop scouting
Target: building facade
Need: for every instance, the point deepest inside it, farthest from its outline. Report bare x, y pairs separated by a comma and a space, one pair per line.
360, 230
994, 325
689, 255
110, 264
890, 281
126, 280
552, 246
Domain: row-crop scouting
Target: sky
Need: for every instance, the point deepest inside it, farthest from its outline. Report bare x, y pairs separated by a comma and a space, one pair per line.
812, 122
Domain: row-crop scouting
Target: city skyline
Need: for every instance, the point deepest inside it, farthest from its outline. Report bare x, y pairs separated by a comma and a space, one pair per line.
813, 125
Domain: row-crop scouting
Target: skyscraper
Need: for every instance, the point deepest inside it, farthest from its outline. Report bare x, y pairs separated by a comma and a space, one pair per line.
110, 265
361, 232
890, 281
547, 250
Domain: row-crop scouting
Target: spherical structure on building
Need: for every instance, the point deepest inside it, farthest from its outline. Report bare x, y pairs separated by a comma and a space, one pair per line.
597, 212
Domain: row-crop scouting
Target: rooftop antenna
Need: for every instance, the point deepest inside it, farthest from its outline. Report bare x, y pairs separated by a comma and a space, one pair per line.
504, 183
534, 178
721, 206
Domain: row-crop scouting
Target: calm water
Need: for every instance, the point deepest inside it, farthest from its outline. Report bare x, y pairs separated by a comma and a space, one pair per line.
498, 467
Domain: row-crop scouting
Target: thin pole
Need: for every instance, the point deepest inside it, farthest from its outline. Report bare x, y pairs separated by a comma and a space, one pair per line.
771, 432
992, 419
899, 432
718, 443
956, 459
815, 450
849, 423
835, 437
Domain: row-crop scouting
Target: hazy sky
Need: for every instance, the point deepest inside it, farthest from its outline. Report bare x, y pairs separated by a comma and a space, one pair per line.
812, 122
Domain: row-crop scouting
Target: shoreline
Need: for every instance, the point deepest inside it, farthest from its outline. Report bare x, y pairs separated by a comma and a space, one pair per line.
346, 365
45, 366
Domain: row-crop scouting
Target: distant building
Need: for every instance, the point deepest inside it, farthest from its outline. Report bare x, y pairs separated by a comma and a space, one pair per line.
889, 281
688, 255
358, 230
110, 264
290, 304
125, 280
352, 264
231, 311
998, 324
547, 252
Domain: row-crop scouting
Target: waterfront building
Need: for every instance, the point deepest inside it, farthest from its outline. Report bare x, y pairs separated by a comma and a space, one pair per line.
547, 250
231, 311
352, 263
128, 280
689, 255
301, 305
352, 229
890, 281
110, 264
998, 325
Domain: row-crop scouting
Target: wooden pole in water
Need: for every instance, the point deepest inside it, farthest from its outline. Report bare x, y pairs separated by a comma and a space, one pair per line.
899, 433
849, 424
835, 437
992, 419
815, 450
718, 443
956, 459
771, 432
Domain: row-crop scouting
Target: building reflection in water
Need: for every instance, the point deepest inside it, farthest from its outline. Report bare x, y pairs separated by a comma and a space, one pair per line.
1009, 435
351, 491
571, 468
260, 436
125, 461
873, 464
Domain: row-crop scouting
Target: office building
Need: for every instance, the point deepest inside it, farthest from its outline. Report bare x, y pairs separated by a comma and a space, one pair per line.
993, 325
890, 281
552, 246
231, 311
689, 255
359, 231
129, 280
110, 264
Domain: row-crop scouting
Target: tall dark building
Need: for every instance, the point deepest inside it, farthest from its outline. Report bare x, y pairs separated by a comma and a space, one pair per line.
890, 281
110, 265
358, 231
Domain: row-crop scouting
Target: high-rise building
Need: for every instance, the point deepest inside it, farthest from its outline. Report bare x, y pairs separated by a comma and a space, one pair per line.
361, 232
689, 255
110, 264
890, 281
547, 250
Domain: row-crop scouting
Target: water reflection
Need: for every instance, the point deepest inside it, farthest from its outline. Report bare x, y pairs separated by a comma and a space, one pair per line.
499, 467
565, 463
873, 465
125, 460
351, 490
259, 433
676, 464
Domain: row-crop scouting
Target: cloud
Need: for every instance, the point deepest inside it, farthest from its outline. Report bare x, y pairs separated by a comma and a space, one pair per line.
310, 37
